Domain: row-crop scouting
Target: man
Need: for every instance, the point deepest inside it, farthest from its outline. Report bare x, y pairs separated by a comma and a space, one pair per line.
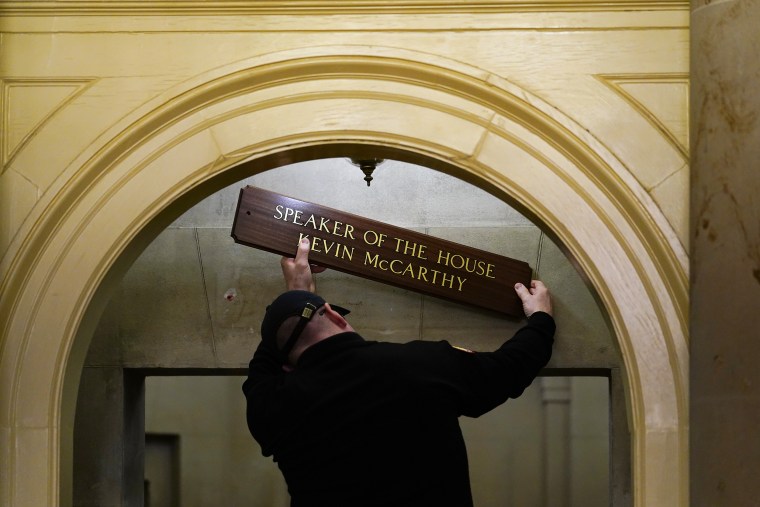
355, 423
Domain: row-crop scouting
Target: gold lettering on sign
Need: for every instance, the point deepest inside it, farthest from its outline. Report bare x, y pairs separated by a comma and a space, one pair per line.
403, 268
380, 252
373, 238
287, 214
410, 248
321, 245
474, 266
402, 246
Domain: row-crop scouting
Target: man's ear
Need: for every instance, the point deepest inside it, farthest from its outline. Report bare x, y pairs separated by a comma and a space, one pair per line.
335, 317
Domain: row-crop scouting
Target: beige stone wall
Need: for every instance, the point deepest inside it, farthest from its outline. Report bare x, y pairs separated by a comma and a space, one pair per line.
620, 75
117, 117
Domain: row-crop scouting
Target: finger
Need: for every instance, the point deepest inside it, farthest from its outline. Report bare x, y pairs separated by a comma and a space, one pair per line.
522, 291
302, 254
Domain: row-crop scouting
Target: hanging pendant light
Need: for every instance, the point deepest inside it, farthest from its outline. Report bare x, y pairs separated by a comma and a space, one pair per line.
368, 166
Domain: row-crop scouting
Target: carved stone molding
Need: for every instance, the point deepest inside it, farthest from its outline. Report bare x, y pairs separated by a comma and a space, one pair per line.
239, 7
205, 130
624, 85
27, 104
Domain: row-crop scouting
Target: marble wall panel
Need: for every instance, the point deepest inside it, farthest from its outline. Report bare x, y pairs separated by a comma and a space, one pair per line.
161, 308
583, 338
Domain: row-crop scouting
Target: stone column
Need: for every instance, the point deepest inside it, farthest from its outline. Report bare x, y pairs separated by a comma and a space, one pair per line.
109, 436
725, 253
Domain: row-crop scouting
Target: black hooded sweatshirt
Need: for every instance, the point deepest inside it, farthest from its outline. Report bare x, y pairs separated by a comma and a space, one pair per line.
361, 423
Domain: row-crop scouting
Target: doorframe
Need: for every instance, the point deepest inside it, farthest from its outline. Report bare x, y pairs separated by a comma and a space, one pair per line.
118, 195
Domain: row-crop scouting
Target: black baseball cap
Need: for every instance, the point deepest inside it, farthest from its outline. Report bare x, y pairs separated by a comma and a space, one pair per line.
289, 304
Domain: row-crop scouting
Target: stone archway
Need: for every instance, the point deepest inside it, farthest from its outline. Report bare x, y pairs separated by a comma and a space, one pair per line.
284, 107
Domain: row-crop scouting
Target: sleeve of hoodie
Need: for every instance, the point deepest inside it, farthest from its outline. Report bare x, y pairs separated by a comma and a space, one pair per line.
481, 381
265, 374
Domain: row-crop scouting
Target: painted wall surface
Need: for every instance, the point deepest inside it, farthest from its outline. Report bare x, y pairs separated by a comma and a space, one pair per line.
117, 117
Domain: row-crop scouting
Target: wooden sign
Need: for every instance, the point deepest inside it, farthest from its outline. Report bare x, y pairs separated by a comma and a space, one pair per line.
380, 252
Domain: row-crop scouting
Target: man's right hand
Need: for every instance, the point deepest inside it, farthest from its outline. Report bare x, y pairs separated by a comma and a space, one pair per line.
298, 272
535, 299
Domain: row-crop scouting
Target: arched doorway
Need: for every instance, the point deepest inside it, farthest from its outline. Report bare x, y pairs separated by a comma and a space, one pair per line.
182, 323
284, 108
